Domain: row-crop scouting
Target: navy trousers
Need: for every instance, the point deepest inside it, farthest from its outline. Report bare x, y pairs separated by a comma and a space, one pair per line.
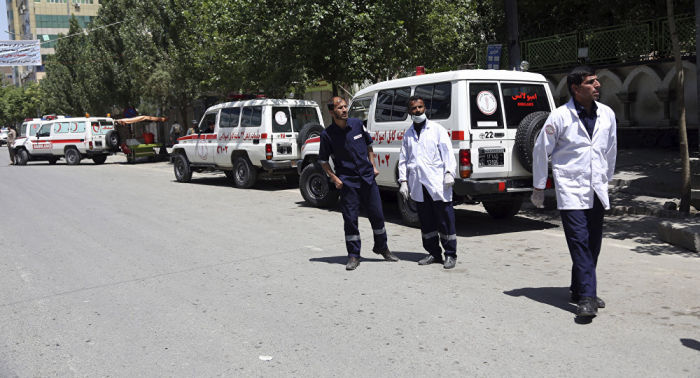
584, 235
437, 224
368, 196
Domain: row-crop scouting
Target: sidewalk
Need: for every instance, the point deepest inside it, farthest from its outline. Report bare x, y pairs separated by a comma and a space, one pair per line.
648, 182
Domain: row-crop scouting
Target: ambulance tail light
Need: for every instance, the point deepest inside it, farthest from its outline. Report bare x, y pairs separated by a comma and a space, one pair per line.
548, 185
90, 145
465, 163
268, 151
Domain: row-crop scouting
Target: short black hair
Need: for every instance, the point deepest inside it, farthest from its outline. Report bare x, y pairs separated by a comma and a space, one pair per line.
415, 97
576, 76
331, 102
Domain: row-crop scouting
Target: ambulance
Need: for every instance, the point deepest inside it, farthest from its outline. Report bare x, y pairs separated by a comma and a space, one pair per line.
492, 116
73, 139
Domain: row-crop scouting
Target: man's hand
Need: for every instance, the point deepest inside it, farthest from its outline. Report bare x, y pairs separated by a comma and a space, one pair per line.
337, 182
537, 198
376, 172
449, 180
404, 189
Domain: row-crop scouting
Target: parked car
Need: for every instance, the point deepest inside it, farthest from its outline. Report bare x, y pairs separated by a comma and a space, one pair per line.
492, 116
248, 139
3, 136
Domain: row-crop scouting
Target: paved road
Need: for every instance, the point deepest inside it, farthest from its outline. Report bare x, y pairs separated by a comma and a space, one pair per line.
119, 271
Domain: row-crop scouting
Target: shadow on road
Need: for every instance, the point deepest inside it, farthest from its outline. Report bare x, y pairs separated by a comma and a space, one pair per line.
554, 296
692, 344
218, 179
342, 260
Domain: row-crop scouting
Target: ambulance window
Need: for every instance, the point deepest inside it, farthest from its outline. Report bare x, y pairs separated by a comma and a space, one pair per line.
105, 127
229, 117
391, 105
281, 122
209, 118
44, 131
360, 109
519, 100
437, 98
484, 106
61, 127
252, 116
303, 115
77, 127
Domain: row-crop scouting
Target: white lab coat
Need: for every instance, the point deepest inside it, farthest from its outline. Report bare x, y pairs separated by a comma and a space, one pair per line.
582, 166
425, 161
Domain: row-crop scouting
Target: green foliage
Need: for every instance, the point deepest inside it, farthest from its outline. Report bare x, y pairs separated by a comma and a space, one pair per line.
18, 103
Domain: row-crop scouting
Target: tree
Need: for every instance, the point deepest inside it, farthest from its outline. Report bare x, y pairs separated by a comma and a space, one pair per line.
680, 99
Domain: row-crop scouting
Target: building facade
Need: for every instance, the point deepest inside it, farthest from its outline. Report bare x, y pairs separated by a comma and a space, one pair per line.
44, 20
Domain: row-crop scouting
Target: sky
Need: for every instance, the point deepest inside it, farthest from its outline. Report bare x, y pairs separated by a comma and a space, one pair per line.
3, 21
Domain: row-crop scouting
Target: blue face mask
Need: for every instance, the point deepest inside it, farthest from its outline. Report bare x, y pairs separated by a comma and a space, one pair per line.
418, 118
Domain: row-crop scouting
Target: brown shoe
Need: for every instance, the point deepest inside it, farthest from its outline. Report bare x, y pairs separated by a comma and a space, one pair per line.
386, 253
353, 263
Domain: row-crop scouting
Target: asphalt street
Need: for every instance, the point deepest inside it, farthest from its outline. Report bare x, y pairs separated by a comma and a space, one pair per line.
118, 270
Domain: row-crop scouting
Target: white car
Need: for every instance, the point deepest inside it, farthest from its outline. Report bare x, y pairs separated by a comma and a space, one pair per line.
71, 138
3, 136
249, 138
492, 116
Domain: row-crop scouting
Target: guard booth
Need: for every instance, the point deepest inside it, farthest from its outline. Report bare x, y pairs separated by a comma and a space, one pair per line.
140, 136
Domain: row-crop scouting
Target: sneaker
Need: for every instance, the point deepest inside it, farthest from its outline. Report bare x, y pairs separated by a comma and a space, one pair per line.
386, 253
353, 263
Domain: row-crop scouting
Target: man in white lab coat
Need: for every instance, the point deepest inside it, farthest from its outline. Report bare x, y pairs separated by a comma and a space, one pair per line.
427, 169
581, 138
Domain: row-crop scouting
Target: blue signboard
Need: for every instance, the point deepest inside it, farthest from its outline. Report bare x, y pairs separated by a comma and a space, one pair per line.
493, 57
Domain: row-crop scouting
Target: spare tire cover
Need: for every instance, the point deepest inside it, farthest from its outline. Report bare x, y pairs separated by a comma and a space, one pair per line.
309, 131
112, 138
526, 135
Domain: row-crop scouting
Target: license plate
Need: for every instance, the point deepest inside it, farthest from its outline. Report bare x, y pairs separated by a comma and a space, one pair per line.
491, 157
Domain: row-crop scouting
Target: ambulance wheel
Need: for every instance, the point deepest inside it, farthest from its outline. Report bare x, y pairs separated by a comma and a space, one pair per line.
229, 174
183, 172
315, 187
526, 135
22, 157
53, 161
503, 209
408, 210
112, 138
308, 131
72, 156
99, 159
244, 173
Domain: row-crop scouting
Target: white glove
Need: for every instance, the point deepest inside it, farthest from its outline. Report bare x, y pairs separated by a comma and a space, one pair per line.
537, 198
404, 189
449, 180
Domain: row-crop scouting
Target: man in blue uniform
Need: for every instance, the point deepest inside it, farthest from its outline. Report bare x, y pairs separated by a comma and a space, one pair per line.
427, 167
581, 138
350, 145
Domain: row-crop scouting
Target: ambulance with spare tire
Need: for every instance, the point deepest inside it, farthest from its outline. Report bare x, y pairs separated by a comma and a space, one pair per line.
72, 138
250, 139
492, 116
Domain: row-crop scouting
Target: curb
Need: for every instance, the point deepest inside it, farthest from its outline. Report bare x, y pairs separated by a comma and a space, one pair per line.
682, 235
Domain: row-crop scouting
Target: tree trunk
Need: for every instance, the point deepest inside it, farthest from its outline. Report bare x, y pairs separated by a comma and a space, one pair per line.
680, 98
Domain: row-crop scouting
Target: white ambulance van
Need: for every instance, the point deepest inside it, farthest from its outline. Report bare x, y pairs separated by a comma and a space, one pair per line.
74, 139
492, 116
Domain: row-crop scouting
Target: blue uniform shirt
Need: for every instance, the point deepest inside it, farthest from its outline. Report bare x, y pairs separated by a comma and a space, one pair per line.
349, 151
587, 119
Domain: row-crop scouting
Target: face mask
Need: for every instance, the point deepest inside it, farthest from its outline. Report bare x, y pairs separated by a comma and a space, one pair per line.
418, 118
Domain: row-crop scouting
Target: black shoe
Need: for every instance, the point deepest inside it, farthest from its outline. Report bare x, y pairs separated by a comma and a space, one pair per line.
353, 263
430, 260
575, 298
450, 262
587, 306
386, 253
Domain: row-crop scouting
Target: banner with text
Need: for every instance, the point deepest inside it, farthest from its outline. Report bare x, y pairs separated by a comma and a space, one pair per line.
20, 53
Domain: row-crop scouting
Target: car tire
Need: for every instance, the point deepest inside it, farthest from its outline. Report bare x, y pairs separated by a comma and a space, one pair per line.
526, 135
316, 188
408, 210
53, 161
72, 156
183, 171
244, 173
112, 138
22, 157
503, 209
308, 131
99, 159
229, 174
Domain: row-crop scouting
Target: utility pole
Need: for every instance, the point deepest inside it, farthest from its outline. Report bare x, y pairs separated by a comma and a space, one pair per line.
697, 48
512, 32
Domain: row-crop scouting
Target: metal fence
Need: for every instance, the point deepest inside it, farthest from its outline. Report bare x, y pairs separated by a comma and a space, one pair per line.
642, 41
